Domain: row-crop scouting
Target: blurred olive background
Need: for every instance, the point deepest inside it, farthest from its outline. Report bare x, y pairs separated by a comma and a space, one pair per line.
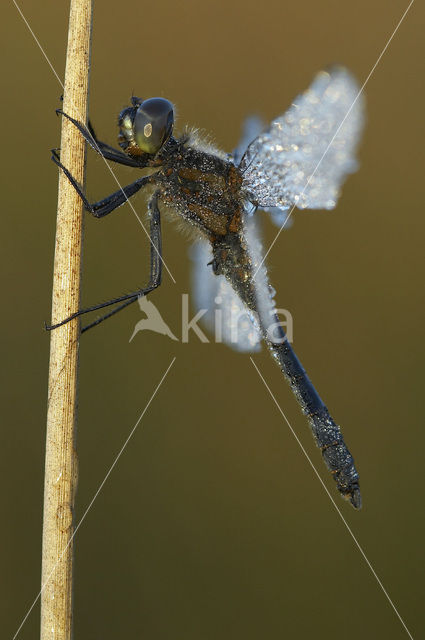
212, 524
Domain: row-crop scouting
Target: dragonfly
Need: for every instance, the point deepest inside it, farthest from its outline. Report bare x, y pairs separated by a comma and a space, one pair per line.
301, 160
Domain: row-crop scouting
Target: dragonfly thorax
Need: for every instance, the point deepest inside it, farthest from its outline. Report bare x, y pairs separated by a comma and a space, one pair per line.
203, 188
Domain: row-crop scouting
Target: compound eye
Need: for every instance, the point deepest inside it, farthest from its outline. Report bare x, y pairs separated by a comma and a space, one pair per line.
153, 124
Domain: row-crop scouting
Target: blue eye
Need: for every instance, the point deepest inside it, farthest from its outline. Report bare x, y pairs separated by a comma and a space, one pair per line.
153, 124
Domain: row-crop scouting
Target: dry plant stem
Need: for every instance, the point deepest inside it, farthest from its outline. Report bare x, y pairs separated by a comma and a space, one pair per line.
61, 463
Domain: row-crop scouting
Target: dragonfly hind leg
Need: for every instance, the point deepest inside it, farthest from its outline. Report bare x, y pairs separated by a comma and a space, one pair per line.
154, 279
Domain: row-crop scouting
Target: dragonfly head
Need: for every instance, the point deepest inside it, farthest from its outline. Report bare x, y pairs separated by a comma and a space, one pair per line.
146, 126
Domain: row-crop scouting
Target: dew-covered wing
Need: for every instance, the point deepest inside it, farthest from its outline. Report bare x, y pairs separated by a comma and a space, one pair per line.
225, 317
305, 155
251, 129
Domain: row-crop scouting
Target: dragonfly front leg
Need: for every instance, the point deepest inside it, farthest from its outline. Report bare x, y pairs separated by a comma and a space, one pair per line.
154, 279
103, 149
102, 207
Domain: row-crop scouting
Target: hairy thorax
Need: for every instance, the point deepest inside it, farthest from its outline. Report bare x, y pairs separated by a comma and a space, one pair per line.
203, 188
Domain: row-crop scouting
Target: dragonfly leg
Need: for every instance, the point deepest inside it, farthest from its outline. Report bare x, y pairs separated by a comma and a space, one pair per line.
103, 149
102, 207
154, 279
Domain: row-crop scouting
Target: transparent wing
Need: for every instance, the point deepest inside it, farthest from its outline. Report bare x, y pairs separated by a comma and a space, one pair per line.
280, 217
305, 155
225, 317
